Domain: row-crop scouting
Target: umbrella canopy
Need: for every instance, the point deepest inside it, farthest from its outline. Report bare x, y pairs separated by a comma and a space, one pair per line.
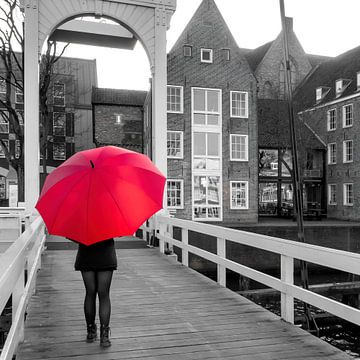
101, 193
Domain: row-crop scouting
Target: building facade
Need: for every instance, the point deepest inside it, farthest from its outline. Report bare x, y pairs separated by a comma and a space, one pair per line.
212, 124
329, 104
121, 112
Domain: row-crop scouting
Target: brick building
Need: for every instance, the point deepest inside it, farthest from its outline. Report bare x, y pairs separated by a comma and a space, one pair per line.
275, 159
212, 124
118, 118
329, 104
69, 101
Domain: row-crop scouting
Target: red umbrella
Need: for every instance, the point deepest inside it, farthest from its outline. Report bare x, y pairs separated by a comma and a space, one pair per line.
101, 193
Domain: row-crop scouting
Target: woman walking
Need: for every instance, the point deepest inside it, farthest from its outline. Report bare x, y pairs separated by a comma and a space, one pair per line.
97, 263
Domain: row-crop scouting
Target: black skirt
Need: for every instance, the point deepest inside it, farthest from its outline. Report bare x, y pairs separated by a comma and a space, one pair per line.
96, 257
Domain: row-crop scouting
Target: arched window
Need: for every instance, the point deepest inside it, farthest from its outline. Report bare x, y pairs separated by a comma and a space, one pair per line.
293, 78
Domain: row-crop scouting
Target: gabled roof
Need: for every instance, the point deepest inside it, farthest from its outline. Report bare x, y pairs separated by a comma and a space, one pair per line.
118, 96
255, 56
344, 66
273, 124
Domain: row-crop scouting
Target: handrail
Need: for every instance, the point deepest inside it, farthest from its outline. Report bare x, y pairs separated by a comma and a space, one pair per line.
288, 251
24, 253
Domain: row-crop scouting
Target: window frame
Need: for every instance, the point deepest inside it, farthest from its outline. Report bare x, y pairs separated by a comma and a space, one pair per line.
202, 50
318, 93
2, 153
19, 93
358, 80
344, 115
340, 90
328, 119
345, 142
181, 182
181, 156
3, 81
187, 47
246, 158
345, 194
332, 186
59, 97
329, 154
181, 111
59, 127
232, 207
4, 123
232, 115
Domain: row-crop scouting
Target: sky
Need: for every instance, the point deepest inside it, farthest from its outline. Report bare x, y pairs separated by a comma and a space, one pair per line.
323, 27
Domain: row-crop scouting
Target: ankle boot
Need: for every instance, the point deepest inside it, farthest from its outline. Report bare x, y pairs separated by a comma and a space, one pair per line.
91, 333
104, 336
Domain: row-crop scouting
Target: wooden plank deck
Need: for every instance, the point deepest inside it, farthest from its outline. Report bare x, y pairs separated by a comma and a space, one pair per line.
160, 310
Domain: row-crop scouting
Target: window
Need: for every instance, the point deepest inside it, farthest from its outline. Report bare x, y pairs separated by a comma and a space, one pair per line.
187, 51
349, 194
59, 151
4, 122
239, 195
2, 89
2, 152
206, 106
358, 80
318, 93
20, 114
226, 54
59, 123
117, 119
206, 151
238, 147
59, 94
206, 55
348, 151
174, 99
175, 144
338, 87
332, 194
348, 115
332, 153
175, 194
239, 104
206, 198
17, 149
331, 120
19, 96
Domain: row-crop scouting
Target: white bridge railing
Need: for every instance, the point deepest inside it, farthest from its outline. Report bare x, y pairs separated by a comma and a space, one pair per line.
23, 254
288, 251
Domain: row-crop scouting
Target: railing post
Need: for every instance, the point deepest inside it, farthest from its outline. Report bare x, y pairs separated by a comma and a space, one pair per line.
185, 241
162, 231
169, 247
287, 276
221, 270
16, 296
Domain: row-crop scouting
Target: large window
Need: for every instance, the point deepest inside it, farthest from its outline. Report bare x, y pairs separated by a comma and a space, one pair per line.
206, 154
347, 115
349, 194
59, 123
59, 94
206, 198
174, 99
332, 194
2, 89
206, 106
59, 151
238, 147
239, 195
331, 120
19, 96
175, 144
239, 104
332, 153
2, 152
175, 195
348, 151
4, 123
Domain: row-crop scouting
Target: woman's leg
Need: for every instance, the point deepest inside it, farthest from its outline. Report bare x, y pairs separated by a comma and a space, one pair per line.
90, 282
103, 289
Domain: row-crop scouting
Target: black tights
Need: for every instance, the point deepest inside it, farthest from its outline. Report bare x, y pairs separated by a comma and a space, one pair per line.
97, 282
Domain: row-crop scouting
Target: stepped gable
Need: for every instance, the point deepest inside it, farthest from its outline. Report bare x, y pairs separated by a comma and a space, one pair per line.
273, 119
343, 66
208, 29
118, 96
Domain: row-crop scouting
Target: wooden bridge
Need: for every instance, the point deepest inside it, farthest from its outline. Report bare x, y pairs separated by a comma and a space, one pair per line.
161, 309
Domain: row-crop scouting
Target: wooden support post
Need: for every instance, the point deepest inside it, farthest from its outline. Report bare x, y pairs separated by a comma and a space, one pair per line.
287, 276
185, 241
221, 270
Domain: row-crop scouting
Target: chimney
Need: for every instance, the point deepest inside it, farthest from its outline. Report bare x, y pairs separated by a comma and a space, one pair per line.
289, 24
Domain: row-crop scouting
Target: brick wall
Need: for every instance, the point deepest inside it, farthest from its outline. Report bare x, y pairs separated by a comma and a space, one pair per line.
127, 134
